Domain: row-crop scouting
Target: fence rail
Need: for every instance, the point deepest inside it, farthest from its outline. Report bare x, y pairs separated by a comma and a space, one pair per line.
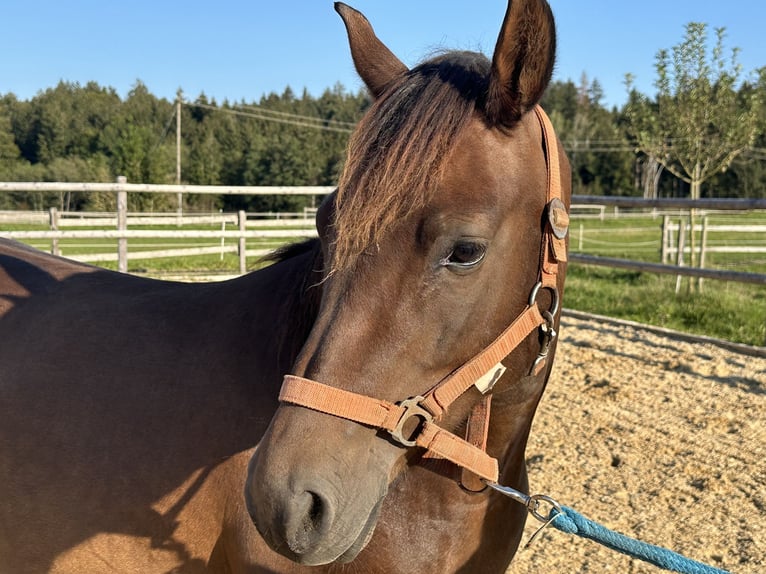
668, 244
724, 275
166, 188
717, 204
161, 234
60, 219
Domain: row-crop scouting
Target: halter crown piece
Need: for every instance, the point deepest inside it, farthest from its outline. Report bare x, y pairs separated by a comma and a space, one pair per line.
421, 413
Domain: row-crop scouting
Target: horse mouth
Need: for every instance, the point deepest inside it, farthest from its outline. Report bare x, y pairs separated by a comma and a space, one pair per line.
338, 552
313, 529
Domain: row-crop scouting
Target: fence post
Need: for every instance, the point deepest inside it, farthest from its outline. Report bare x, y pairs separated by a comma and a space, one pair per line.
242, 246
122, 225
53, 214
665, 239
223, 230
703, 249
681, 247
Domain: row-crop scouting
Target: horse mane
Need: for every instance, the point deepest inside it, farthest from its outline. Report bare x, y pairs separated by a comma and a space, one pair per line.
290, 250
301, 302
397, 154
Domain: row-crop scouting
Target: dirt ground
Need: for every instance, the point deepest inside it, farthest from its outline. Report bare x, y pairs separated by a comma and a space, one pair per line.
659, 439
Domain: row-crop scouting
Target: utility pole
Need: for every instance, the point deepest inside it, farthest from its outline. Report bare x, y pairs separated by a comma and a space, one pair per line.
179, 99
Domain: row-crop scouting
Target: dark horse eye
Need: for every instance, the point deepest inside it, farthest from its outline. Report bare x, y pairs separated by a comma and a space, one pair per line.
465, 255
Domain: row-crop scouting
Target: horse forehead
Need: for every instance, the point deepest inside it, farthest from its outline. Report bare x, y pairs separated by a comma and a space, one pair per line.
487, 162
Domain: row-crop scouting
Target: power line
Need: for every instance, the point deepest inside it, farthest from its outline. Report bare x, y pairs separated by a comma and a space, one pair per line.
165, 131
259, 109
312, 122
326, 125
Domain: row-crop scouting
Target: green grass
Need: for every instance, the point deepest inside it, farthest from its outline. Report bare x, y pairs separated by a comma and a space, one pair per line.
725, 310
639, 238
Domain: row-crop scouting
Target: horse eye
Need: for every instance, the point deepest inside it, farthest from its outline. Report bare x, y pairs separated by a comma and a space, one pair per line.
465, 255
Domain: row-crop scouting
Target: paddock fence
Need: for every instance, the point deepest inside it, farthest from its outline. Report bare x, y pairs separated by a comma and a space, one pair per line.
241, 227
291, 226
674, 232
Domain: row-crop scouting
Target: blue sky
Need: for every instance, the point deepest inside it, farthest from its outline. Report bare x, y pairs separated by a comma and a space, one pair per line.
237, 50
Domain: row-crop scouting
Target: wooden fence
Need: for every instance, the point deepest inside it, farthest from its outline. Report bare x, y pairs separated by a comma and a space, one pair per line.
121, 188
60, 219
241, 233
596, 205
670, 246
681, 229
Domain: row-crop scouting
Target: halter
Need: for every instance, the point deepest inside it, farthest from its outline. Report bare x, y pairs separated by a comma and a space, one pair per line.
412, 422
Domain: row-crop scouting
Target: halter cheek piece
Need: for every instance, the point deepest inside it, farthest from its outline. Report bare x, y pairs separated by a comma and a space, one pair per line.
412, 422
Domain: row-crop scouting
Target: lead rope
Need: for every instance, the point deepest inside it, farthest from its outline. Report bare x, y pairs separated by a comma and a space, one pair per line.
570, 521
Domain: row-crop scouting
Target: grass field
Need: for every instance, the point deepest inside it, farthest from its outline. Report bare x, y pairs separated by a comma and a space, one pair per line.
728, 310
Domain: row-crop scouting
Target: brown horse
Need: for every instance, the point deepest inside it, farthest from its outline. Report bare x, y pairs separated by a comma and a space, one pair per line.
440, 235
130, 408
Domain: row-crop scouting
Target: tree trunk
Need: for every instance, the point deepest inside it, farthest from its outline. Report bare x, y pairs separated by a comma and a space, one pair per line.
650, 177
696, 184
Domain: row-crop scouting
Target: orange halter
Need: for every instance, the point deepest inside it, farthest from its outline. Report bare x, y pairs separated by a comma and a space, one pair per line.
482, 371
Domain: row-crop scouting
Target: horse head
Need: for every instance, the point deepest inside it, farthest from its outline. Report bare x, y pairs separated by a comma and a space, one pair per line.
433, 243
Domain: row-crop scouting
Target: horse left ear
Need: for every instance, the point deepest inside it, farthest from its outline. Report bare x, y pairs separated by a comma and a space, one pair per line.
374, 62
523, 61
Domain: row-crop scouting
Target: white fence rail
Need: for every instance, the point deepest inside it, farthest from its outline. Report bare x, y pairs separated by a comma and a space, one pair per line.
241, 234
59, 219
681, 230
122, 186
122, 219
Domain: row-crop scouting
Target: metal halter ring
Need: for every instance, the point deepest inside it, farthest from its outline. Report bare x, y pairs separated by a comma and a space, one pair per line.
554, 294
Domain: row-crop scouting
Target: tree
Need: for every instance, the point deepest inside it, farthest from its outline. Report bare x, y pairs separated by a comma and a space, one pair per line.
698, 122
594, 140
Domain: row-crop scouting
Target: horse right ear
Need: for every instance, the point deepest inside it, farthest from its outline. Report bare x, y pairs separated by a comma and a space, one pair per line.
523, 61
374, 62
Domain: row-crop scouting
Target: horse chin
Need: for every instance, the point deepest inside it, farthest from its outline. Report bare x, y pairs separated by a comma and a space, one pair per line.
364, 536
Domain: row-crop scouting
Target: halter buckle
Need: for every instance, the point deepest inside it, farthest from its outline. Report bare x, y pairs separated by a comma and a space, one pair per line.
412, 408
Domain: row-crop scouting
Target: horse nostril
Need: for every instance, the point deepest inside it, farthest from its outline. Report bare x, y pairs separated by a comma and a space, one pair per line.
306, 521
315, 512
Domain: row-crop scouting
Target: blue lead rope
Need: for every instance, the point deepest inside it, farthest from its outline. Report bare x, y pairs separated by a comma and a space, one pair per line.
572, 522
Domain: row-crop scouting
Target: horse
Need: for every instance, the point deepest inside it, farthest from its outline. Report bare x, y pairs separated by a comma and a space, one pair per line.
445, 241
145, 425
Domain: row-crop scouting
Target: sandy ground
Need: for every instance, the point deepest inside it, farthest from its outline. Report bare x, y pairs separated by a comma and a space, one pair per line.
662, 440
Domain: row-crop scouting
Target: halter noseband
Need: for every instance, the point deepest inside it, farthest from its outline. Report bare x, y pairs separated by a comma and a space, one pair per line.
482, 371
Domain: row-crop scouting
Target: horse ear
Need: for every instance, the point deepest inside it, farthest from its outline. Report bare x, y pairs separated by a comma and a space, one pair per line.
523, 61
374, 62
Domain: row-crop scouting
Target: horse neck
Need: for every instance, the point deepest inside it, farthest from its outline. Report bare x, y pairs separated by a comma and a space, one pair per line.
286, 296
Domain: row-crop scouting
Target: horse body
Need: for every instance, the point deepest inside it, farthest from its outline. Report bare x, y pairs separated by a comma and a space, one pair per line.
129, 409
135, 413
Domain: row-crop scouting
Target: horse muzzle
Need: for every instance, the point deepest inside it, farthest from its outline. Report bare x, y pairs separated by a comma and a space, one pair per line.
317, 501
